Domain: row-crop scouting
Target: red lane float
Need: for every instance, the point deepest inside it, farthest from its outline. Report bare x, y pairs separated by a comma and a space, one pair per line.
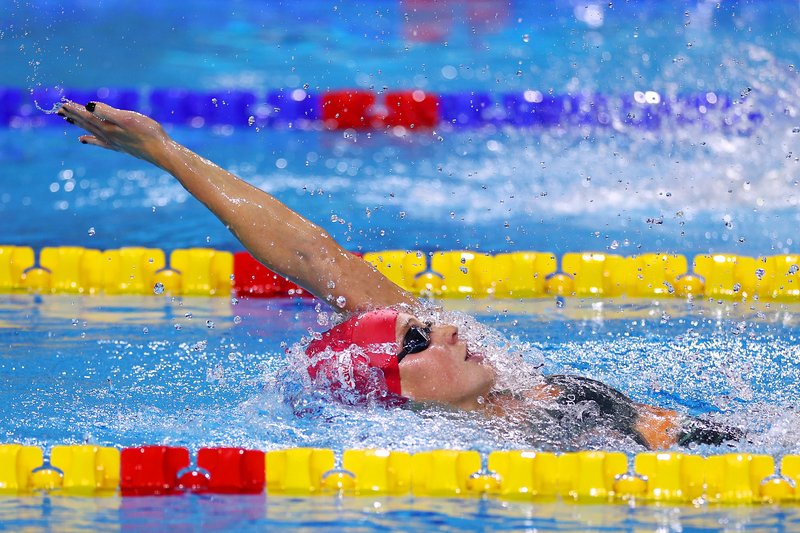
412, 109
151, 470
251, 278
233, 470
349, 109
164, 470
357, 109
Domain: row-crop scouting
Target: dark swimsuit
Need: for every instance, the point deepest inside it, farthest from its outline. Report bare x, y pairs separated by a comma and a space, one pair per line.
616, 411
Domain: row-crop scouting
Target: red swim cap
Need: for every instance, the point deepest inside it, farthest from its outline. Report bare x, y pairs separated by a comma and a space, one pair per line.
374, 336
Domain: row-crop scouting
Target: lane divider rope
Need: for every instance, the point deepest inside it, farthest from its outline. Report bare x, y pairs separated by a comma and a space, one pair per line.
399, 111
525, 475
440, 274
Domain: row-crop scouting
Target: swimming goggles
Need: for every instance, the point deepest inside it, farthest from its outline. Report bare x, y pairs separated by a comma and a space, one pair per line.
417, 338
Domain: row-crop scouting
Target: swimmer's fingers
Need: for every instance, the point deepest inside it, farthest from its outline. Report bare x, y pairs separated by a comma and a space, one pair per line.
106, 112
123, 131
71, 113
81, 117
96, 141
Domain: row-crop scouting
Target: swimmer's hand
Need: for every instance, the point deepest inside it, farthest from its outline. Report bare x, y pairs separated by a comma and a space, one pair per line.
122, 131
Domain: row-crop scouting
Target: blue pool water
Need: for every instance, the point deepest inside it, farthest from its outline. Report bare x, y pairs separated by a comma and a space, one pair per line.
124, 371
131, 370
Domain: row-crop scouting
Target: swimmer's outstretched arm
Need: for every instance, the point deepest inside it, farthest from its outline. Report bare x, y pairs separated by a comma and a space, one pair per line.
280, 238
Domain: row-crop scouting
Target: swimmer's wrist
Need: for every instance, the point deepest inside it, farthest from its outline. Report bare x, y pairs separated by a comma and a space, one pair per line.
168, 155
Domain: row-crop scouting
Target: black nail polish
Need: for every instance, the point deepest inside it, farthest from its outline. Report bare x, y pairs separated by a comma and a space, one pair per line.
70, 120
84, 142
90, 107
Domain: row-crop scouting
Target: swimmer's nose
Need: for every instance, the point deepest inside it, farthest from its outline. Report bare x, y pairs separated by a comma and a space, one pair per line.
446, 334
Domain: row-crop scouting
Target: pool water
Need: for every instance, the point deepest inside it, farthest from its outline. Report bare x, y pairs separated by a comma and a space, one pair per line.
255, 513
124, 371
682, 187
202, 372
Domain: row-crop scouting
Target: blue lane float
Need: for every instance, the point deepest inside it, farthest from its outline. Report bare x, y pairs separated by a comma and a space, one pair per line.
290, 107
532, 108
10, 104
470, 109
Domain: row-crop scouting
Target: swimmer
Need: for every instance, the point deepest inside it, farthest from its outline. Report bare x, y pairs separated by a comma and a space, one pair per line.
385, 350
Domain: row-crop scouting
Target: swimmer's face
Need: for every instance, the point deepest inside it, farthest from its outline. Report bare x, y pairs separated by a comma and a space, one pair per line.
445, 371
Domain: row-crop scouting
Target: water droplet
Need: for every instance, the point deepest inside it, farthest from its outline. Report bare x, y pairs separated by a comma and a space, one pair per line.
526, 38
91, 231
251, 120
793, 269
331, 284
75, 322
560, 302
760, 273
737, 287
402, 214
198, 346
341, 301
210, 324
145, 330
237, 319
178, 327
463, 270
234, 300
158, 288
188, 315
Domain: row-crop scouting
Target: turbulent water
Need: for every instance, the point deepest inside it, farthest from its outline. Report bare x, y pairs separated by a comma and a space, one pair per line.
123, 371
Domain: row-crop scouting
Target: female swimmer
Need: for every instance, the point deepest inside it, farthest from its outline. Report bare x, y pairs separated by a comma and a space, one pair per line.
391, 355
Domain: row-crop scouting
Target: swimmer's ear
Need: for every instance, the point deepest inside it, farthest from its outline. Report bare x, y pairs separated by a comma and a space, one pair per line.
91, 139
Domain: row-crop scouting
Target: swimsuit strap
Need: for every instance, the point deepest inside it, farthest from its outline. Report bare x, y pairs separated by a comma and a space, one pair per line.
618, 408
702, 431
